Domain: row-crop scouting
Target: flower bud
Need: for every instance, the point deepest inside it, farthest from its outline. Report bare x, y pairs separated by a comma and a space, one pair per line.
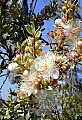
40, 76
36, 45
45, 79
18, 56
64, 58
45, 83
29, 44
47, 7
39, 51
51, 34
36, 83
73, 7
58, 21
63, 19
65, 67
39, 80
65, 50
32, 39
30, 61
26, 73
79, 44
13, 67
73, 54
26, 65
25, 55
15, 59
59, 59
64, 8
26, 49
65, 2
71, 15
43, 12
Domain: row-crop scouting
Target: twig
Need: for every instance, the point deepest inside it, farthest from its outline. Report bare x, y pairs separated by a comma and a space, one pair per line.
3, 75
4, 80
31, 5
34, 5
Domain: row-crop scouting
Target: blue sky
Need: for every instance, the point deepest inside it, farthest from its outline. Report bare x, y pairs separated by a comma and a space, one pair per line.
7, 85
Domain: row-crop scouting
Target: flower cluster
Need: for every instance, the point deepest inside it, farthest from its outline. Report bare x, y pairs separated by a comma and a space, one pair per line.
42, 69
43, 73
67, 27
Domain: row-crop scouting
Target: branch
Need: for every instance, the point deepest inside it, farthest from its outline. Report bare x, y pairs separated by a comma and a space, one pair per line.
4, 80
34, 5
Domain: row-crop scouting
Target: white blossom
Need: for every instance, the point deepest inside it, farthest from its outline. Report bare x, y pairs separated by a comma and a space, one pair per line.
27, 87
45, 65
44, 62
65, 26
28, 84
58, 21
13, 67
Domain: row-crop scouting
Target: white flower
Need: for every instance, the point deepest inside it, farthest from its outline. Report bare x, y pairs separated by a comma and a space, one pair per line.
23, 87
44, 62
27, 87
53, 72
28, 84
13, 67
32, 77
72, 43
45, 65
65, 26
58, 21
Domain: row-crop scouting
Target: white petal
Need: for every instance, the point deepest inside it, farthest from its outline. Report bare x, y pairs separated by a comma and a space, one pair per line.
54, 73
65, 26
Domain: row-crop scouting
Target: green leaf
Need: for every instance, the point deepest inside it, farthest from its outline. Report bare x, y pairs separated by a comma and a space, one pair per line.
13, 93
18, 44
37, 33
12, 29
24, 42
6, 28
2, 64
1, 113
33, 26
12, 45
7, 117
17, 107
27, 116
4, 102
28, 28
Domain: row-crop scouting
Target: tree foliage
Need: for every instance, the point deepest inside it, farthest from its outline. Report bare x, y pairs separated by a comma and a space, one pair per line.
21, 41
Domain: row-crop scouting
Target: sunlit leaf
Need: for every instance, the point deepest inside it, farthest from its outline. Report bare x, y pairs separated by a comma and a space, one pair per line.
28, 28
27, 116
18, 44
37, 33
17, 107
24, 42
33, 26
